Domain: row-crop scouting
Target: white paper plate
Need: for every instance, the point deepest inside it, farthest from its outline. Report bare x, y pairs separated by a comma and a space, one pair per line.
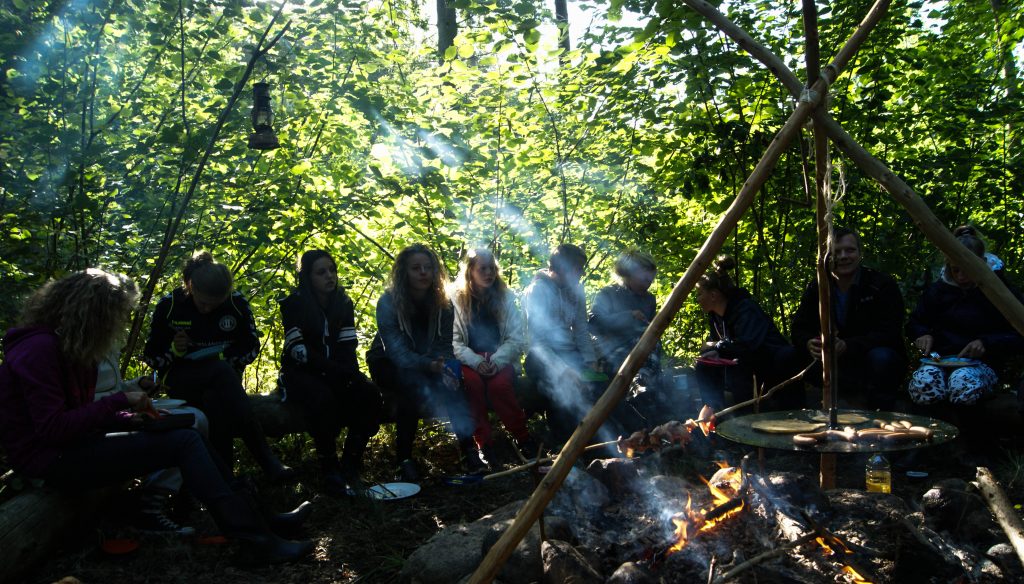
392, 491
168, 403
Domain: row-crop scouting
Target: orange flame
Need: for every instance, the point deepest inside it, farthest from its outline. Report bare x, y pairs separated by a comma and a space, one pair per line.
690, 518
844, 550
857, 578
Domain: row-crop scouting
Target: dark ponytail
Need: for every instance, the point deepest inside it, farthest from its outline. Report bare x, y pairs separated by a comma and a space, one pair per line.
204, 275
719, 278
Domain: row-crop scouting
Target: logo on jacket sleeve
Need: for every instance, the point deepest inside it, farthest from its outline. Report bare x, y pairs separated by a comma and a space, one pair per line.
228, 323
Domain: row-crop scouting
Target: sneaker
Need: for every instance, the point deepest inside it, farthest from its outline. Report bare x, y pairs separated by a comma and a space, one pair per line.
474, 463
489, 455
155, 521
408, 472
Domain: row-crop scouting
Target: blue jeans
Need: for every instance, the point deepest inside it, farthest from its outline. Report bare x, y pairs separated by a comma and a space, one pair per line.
110, 459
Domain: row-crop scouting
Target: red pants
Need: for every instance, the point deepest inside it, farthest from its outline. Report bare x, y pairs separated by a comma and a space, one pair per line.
499, 391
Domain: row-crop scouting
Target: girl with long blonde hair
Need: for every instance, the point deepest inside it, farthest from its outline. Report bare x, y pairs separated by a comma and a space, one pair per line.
489, 341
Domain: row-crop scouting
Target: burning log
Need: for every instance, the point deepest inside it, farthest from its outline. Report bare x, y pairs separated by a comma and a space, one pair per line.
835, 545
727, 504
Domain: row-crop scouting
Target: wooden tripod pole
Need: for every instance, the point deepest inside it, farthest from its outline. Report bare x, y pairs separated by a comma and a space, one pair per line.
926, 221
823, 211
546, 490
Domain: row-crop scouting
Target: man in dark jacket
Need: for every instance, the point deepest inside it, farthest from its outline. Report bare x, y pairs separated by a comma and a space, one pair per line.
867, 318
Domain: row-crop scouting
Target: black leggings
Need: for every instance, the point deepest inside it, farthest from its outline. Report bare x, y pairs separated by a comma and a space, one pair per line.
419, 395
215, 387
330, 405
110, 459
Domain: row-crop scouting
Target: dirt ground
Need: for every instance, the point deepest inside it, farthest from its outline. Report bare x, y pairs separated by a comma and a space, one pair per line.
359, 540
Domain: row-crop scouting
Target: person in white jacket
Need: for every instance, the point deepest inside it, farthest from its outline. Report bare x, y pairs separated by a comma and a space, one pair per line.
488, 339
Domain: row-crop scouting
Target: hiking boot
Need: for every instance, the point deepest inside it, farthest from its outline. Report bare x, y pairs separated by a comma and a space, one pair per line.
156, 521
474, 463
471, 457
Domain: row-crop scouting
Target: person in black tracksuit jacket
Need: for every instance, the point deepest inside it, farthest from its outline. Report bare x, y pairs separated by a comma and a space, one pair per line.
201, 337
741, 330
319, 370
867, 317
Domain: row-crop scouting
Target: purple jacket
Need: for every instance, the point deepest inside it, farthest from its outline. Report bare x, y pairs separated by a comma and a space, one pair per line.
46, 403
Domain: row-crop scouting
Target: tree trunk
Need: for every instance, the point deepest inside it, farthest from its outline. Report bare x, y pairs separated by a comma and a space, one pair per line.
447, 27
562, 20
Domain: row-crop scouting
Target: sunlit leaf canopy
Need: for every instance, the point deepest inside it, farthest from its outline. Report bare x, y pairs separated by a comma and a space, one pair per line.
640, 135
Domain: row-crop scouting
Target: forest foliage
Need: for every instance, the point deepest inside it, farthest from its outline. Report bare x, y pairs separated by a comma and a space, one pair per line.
637, 136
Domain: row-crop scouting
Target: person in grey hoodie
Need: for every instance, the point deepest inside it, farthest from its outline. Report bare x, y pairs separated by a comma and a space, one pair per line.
560, 358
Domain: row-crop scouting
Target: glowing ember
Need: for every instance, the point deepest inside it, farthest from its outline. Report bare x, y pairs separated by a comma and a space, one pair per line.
723, 506
842, 550
856, 577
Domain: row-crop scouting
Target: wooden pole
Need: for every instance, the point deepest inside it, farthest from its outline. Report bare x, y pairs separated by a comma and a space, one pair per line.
926, 221
1002, 509
532, 509
829, 401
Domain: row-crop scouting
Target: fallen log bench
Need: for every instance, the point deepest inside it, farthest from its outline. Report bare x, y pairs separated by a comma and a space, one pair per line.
36, 519
277, 418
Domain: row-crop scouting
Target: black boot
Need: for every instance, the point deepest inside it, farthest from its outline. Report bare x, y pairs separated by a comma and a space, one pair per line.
333, 478
239, 520
276, 471
290, 524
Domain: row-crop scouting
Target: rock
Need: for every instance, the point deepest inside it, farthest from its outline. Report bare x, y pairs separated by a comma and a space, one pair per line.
618, 474
631, 573
559, 528
581, 495
524, 565
948, 503
457, 550
564, 565
1003, 555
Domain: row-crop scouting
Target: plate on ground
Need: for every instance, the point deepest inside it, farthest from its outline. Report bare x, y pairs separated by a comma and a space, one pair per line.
952, 361
392, 491
168, 403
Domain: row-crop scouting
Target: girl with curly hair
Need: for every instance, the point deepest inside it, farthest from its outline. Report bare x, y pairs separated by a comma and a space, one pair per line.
412, 356
53, 429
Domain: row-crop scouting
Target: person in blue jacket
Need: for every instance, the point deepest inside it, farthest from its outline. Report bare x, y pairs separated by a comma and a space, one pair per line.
413, 357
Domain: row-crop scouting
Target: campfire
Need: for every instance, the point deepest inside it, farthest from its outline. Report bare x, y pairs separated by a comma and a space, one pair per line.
727, 501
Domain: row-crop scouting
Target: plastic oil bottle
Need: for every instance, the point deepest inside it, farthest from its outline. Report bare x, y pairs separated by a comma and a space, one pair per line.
878, 474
